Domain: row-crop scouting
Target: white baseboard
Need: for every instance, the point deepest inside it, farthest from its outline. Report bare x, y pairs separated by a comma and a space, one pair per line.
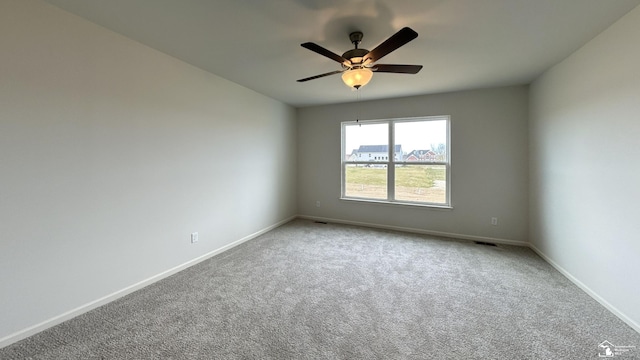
419, 231
586, 289
32, 330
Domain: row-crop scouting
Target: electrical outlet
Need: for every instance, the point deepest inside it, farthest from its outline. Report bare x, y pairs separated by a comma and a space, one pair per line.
494, 221
194, 237
318, 203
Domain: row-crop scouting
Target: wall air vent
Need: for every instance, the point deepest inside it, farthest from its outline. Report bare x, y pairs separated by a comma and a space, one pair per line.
485, 243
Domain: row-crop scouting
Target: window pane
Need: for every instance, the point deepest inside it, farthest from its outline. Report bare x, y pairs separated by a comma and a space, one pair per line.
422, 140
366, 142
423, 183
366, 181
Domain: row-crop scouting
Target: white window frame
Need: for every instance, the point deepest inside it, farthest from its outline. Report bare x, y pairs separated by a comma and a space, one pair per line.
391, 164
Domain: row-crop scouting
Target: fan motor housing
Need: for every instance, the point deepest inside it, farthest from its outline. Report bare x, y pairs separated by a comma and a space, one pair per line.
355, 53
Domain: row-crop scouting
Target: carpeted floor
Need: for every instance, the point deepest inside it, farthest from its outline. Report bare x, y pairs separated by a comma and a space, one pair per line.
324, 291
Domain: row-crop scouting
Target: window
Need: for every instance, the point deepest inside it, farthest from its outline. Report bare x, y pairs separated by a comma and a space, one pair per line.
403, 161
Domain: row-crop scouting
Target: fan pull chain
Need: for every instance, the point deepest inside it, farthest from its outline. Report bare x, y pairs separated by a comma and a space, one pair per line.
358, 107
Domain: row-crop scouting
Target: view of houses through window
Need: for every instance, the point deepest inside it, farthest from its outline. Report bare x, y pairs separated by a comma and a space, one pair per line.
397, 160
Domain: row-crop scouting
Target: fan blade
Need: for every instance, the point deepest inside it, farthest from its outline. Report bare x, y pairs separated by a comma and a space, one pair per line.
321, 75
395, 41
324, 52
400, 69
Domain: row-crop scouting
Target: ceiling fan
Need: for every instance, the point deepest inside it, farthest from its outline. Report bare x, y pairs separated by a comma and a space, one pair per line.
358, 64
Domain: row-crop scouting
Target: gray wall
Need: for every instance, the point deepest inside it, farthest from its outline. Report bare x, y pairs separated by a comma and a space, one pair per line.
585, 167
111, 154
489, 163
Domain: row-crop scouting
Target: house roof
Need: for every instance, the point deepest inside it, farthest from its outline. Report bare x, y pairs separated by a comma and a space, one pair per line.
420, 152
378, 148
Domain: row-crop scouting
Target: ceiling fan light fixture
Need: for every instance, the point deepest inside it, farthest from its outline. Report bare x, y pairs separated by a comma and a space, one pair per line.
357, 78
358, 62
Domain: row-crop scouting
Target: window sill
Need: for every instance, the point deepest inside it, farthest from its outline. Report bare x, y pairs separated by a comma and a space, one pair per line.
398, 203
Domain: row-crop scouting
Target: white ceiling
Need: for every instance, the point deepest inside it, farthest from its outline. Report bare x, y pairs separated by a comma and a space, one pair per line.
463, 44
